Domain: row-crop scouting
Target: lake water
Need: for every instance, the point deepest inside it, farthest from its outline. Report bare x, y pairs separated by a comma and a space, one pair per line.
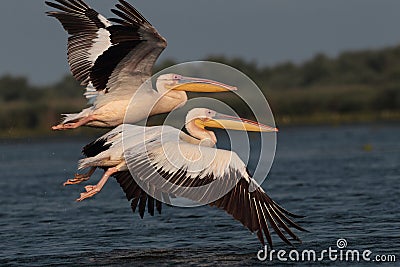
344, 179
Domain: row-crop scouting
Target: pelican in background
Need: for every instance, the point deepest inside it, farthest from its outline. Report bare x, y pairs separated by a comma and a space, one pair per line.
114, 60
187, 162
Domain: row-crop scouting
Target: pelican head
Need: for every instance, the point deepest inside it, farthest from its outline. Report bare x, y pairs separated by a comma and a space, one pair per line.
178, 82
199, 118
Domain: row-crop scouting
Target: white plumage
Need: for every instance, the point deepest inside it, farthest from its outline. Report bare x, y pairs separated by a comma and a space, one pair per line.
164, 161
113, 58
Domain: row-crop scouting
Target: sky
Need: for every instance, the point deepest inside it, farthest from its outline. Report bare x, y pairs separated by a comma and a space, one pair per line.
266, 31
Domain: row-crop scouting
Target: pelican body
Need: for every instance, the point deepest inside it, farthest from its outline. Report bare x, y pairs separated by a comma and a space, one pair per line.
113, 58
186, 162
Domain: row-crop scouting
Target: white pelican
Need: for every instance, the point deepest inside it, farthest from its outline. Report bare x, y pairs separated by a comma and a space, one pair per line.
114, 60
175, 156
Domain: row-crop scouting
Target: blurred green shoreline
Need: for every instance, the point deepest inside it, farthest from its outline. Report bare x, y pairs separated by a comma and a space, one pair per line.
285, 122
354, 87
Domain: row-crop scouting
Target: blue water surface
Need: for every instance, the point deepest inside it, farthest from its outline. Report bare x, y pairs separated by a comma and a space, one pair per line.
344, 179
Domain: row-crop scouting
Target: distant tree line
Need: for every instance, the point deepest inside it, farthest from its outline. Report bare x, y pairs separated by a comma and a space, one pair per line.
363, 85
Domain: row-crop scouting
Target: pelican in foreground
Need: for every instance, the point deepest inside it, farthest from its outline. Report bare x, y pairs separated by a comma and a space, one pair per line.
114, 60
166, 161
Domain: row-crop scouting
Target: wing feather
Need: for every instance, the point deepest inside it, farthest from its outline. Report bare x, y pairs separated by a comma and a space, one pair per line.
225, 178
145, 50
259, 212
105, 56
88, 35
137, 195
253, 208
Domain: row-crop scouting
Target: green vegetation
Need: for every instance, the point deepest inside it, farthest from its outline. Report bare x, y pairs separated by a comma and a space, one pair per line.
355, 86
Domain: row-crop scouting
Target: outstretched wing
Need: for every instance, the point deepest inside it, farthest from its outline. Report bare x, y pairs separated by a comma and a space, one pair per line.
211, 176
104, 56
88, 39
144, 42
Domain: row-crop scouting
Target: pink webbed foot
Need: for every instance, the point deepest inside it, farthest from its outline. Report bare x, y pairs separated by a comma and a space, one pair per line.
79, 178
91, 190
66, 126
75, 181
74, 125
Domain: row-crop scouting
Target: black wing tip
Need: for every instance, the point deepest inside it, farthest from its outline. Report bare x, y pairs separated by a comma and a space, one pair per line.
294, 215
261, 215
134, 204
287, 241
138, 197
119, 21
279, 222
141, 214
50, 4
69, 5
150, 206
159, 206
51, 13
130, 11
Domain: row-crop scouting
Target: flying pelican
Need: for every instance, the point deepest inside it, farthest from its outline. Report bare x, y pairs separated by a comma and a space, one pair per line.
114, 60
187, 161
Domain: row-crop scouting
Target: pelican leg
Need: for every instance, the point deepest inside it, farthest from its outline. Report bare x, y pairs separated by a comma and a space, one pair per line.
79, 178
92, 190
74, 125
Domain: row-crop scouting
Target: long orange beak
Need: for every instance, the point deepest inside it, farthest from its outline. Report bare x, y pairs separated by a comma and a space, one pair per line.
190, 84
223, 121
